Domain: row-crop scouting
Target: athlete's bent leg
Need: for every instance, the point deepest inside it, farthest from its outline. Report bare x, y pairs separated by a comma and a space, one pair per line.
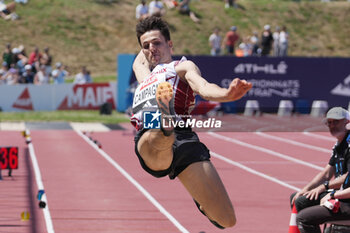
156, 149
205, 186
155, 146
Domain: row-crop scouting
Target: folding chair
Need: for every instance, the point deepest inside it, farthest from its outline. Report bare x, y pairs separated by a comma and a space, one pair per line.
340, 226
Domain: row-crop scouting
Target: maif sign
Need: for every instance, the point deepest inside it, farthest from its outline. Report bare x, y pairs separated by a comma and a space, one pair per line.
29, 97
90, 96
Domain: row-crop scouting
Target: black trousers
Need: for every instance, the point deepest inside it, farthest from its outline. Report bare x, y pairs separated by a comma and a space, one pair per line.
309, 219
302, 202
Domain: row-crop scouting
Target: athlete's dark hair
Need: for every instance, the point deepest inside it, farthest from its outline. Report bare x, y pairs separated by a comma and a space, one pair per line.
152, 23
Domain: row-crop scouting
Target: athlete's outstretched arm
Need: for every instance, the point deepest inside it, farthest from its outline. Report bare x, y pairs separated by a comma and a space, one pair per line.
141, 67
188, 71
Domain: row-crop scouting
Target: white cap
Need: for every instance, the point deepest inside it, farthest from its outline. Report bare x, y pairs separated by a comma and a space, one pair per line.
267, 27
21, 48
15, 50
28, 67
338, 113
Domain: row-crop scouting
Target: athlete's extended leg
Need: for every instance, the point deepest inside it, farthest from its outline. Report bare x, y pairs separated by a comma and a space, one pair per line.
205, 186
155, 146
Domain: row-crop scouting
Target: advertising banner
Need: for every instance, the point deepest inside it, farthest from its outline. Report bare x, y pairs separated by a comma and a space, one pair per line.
30, 97
301, 80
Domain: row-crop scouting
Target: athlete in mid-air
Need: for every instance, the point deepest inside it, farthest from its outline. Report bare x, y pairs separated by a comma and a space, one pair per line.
170, 87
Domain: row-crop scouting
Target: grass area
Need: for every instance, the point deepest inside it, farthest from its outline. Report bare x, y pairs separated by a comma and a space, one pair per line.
61, 116
94, 32
96, 79
104, 78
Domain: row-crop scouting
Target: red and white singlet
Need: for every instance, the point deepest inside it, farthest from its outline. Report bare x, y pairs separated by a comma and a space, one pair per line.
144, 96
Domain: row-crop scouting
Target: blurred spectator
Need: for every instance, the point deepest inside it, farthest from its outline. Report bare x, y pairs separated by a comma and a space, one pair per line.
11, 77
142, 10
34, 59
15, 52
283, 42
266, 41
230, 3
3, 72
184, 8
83, 77
230, 40
215, 42
41, 77
22, 1
4, 66
276, 40
21, 79
245, 47
59, 74
22, 50
254, 39
1, 76
27, 75
7, 55
170, 3
156, 8
7, 11
20, 59
46, 60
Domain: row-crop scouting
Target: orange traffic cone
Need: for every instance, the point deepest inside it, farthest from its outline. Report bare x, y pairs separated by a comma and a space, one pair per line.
293, 228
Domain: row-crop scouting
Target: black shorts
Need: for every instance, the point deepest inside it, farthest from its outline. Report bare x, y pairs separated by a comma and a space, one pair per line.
187, 149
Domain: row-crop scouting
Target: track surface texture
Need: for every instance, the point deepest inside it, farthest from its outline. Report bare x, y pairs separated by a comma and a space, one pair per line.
261, 160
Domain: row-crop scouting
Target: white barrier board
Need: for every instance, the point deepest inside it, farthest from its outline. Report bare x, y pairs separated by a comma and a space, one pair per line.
50, 97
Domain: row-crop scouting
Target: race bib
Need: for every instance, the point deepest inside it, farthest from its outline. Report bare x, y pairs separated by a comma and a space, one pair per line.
145, 93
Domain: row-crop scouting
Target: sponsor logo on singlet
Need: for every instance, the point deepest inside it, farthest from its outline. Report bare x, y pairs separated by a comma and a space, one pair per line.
146, 91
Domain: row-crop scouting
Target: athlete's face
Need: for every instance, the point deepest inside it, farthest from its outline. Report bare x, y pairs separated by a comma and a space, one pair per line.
156, 49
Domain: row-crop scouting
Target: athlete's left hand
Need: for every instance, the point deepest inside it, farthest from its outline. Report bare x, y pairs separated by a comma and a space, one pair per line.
238, 88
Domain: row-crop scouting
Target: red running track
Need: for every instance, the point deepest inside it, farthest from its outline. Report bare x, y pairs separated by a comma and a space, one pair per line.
86, 193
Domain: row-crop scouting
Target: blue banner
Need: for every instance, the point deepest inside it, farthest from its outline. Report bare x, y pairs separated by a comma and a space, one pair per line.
125, 76
299, 79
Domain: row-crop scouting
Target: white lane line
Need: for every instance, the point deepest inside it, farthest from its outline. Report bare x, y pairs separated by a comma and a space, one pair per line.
320, 136
320, 149
39, 182
135, 183
268, 151
250, 170
89, 127
318, 128
274, 162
